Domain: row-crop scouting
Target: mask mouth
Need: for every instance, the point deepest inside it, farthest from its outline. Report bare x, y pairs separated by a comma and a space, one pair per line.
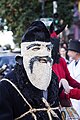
42, 60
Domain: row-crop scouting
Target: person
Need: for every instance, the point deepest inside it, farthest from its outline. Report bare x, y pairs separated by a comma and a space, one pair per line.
74, 67
30, 91
60, 68
64, 44
63, 53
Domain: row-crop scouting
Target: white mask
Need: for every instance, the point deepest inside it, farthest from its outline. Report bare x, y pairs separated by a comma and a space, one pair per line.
37, 63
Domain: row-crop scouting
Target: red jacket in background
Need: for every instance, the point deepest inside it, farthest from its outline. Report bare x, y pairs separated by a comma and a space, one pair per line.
53, 35
61, 71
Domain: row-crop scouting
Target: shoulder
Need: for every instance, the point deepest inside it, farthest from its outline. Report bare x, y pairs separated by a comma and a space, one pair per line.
6, 89
71, 63
5, 83
62, 60
11, 76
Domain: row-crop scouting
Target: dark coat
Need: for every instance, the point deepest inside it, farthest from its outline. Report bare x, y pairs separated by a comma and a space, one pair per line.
11, 103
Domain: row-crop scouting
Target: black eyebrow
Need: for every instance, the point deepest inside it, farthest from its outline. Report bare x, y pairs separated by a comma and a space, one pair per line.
32, 45
49, 45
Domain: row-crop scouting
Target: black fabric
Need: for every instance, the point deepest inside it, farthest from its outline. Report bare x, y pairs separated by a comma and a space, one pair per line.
55, 52
51, 29
76, 62
60, 28
11, 103
74, 45
36, 32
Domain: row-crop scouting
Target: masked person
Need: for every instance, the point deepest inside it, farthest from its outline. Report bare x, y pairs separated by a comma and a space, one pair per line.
30, 91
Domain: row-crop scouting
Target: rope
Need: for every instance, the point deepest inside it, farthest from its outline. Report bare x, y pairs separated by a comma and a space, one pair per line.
36, 110
49, 110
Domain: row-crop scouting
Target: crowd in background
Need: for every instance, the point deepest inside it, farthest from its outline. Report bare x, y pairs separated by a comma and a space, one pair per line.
68, 70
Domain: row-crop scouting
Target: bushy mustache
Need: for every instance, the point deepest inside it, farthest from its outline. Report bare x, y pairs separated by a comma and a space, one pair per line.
38, 58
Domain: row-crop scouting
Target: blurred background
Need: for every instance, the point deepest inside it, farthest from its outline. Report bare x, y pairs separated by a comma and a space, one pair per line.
16, 16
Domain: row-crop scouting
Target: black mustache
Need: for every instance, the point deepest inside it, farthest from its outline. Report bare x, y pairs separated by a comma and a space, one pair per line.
38, 58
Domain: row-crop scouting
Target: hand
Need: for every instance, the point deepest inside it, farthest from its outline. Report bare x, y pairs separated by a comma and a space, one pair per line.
65, 85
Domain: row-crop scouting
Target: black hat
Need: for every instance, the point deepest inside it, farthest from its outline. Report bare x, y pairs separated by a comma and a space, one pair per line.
36, 32
74, 45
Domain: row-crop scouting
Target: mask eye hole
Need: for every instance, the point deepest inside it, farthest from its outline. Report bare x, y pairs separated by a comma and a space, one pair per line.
35, 49
49, 47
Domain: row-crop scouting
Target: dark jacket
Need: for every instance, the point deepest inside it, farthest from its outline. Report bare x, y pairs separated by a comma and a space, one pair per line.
12, 104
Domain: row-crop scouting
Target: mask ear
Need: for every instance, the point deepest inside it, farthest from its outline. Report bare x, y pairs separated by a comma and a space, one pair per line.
19, 59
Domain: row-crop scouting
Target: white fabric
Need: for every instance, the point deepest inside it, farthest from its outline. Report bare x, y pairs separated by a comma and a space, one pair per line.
40, 76
75, 73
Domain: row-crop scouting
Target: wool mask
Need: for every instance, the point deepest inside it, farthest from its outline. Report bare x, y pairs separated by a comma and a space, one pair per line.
37, 62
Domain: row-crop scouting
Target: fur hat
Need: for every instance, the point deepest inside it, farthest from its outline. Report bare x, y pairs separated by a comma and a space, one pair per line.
74, 45
37, 31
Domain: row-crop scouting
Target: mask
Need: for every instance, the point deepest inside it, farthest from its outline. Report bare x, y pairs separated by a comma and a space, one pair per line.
37, 63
